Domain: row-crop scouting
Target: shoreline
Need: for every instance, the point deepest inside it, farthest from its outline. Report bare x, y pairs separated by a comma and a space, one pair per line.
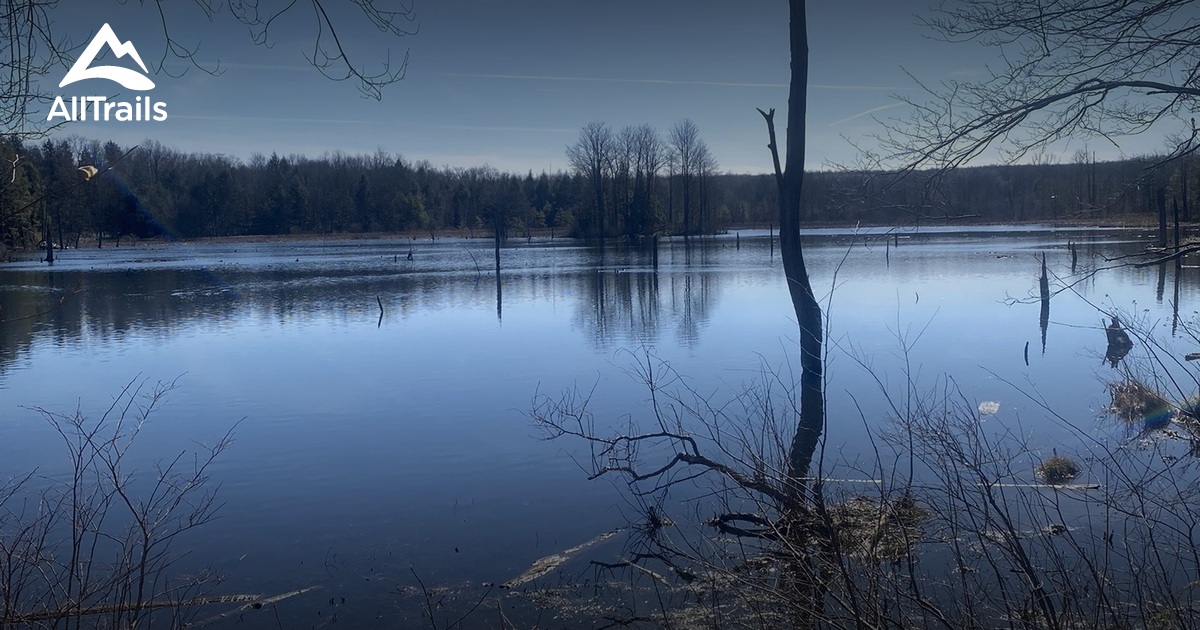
544, 233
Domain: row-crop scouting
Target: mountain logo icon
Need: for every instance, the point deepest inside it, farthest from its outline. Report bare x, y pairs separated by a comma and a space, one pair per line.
83, 68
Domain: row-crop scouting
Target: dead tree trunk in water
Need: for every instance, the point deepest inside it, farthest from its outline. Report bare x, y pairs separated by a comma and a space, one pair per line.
790, 180
1162, 218
499, 299
1175, 212
49, 246
1183, 181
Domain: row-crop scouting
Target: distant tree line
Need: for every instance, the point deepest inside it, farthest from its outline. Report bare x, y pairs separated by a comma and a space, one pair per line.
1082, 191
632, 182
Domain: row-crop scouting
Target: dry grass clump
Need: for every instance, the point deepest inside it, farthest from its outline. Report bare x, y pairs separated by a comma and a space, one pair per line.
1189, 412
1057, 470
1134, 402
867, 528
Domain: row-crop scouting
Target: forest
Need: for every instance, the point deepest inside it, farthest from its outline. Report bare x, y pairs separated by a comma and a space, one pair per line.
628, 183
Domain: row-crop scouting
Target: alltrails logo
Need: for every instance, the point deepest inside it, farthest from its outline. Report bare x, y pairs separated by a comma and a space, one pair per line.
99, 107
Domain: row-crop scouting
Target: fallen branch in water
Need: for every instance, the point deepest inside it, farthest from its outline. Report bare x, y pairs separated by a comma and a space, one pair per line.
543, 566
633, 565
1056, 486
1183, 251
104, 609
256, 602
478, 271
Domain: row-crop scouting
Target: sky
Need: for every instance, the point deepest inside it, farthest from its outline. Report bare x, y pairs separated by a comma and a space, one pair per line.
510, 84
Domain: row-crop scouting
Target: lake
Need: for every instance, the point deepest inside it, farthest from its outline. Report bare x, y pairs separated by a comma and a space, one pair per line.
370, 450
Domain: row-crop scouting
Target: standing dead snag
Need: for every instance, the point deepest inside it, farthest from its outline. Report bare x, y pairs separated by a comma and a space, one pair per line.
790, 180
49, 259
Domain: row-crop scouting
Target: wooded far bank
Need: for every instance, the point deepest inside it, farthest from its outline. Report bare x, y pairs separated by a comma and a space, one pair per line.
634, 190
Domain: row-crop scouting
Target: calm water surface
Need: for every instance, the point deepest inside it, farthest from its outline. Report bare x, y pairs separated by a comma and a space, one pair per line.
367, 446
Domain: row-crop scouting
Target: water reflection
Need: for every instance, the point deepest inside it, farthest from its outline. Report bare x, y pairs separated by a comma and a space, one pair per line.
627, 305
617, 298
631, 294
612, 299
1044, 294
1175, 298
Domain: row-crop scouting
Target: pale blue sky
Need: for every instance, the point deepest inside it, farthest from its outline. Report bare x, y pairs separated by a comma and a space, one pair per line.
510, 84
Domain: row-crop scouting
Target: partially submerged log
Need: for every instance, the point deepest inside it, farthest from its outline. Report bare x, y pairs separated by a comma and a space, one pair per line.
543, 566
254, 601
254, 604
1051, 486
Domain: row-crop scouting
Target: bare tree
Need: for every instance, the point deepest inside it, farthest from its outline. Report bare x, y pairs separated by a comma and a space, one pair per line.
590, 157
685, 143
706, 167
636, 159
649, 152
622, 166
672, 164
790, 180
1066, 69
